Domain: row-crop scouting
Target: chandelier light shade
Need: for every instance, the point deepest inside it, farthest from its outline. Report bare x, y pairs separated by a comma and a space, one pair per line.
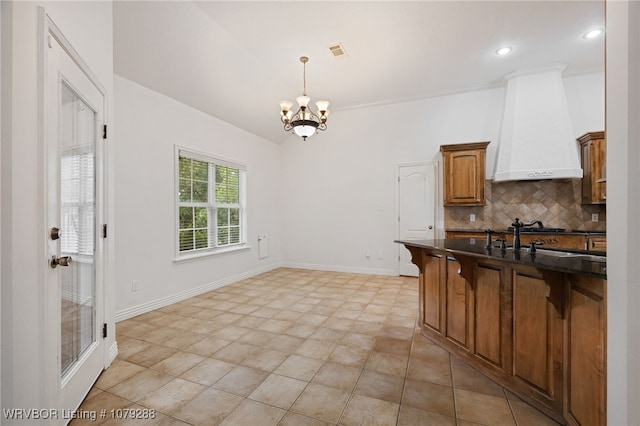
304, 122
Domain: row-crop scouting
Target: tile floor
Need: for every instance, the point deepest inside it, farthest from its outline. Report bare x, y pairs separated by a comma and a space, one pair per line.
297, 347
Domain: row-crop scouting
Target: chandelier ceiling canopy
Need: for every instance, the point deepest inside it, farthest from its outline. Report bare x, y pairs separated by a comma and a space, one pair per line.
304, 122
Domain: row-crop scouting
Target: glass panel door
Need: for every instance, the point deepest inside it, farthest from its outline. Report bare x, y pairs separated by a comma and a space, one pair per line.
77, 228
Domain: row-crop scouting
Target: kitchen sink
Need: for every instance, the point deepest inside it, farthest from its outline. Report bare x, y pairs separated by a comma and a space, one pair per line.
573, 255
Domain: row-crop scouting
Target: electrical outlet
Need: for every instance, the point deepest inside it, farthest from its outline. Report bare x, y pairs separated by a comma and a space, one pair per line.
367, 255
134, 285
594, 217
379, 255
472, 217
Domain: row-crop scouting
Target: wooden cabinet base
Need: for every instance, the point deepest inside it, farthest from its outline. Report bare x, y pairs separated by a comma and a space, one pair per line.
538, 333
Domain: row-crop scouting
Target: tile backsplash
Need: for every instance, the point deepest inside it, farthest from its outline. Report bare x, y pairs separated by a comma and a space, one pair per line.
555, 202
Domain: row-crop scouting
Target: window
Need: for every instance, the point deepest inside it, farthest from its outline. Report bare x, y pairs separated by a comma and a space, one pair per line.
210, 204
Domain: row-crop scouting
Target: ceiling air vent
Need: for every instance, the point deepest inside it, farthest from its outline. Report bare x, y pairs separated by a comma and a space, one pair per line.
337, 51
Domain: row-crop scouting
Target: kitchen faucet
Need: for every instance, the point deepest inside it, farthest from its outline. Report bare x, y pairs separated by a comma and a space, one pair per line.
516, 231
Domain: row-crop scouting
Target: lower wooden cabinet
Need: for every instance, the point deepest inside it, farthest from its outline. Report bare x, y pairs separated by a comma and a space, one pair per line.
541, 334
585, 394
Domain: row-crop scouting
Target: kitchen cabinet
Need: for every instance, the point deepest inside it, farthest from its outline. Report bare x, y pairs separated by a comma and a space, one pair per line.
553, 240
597, 243
539, 333
585, 396
594, 181
464, 173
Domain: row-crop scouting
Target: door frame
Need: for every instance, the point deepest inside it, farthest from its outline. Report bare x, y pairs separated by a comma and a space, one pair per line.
436, 205
47, 27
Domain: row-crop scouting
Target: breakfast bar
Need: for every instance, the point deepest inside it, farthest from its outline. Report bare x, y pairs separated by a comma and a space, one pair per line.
533, 321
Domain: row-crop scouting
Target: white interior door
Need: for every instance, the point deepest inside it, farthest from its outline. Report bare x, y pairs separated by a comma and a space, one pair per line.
417, 185
73, 143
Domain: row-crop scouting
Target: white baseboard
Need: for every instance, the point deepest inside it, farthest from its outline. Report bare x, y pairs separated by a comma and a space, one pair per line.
336, 268
178, 297
113, 352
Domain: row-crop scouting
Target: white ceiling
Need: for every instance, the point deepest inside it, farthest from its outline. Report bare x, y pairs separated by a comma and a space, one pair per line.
236, 59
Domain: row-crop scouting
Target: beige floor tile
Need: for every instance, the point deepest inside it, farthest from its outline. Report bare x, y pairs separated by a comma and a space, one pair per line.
182, 340
207, 346
172, 396
316, 349
141, 384
236, 352
387, 363
359, 340
285, 328
128, 347
153, 355
299, 367
266, 360
278, 391
404, 333
326, 334
119, 371
275, 325
337, 376
208, 371
434, 371
349, 355
209, 408
178, 363
241, 380
295, 419
465, 377
321, 402
483, 409
386, 387
103, 400
362, 410
231, 332
429, 397
301, 330
393, 346
159, 335
254, 413
526, 415
284, 343
410, 416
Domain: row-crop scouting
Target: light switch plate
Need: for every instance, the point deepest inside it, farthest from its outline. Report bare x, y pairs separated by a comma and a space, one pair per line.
472, 217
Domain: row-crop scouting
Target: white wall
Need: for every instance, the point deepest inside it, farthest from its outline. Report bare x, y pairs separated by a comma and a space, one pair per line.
623, 212
340, 185
23, 234
149, 125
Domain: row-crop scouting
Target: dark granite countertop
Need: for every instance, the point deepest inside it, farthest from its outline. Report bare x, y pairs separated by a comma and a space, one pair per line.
574, 262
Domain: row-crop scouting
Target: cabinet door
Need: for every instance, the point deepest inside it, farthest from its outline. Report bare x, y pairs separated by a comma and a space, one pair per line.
431, 290
537, 336
598, 243
456, 310
586, 364
488, 319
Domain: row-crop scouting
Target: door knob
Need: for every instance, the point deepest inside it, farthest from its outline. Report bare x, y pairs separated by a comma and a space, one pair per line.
430, 227
62, 261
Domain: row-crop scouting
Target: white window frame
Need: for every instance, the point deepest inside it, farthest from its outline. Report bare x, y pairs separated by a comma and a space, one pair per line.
211, 204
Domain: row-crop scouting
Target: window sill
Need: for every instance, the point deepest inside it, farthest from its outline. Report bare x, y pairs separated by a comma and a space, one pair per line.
212, 252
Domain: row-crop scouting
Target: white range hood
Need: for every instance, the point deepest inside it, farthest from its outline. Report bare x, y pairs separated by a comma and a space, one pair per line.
536, 141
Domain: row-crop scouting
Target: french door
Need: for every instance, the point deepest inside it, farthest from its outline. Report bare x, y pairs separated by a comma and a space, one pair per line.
73, 116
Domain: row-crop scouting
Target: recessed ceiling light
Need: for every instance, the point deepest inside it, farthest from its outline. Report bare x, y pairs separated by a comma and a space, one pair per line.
593, 33
504, 51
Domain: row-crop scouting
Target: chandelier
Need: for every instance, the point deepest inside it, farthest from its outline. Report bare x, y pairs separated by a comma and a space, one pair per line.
304, 122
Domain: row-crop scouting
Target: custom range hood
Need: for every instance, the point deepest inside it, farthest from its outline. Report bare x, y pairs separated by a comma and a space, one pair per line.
536, 140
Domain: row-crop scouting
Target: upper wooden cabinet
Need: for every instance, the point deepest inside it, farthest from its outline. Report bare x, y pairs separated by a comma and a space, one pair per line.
464, 173
594, 181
